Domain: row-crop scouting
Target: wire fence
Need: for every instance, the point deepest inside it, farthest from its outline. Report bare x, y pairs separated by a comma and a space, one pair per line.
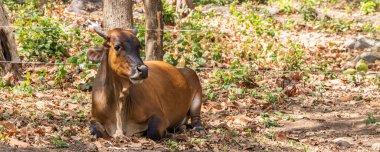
165, 30
247, 68
139, 29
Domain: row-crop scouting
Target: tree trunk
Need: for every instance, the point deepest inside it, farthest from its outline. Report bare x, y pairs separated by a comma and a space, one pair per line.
118, 14
84, 6
183, 4
155, 28
8, 47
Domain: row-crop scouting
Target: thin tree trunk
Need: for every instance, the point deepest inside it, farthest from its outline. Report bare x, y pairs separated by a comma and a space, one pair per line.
183, 4
8, 47
118, 14
155, 28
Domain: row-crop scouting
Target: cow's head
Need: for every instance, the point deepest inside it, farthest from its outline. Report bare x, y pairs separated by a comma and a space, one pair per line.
122, 49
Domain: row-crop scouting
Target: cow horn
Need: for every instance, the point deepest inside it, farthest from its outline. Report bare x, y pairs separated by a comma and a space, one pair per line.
100, 32
134, 31
95, 26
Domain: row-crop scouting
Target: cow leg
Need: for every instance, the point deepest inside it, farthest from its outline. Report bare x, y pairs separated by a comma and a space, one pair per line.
98, 130
195, 111
180, 128
156, 128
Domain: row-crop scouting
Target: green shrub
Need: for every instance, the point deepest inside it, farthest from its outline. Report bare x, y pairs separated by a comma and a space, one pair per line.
309, 14
368, 7
285, 6
169, 14
40, 43
371, 119
59, 143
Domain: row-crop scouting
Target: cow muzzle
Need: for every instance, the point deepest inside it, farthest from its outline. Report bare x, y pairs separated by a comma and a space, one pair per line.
138, 74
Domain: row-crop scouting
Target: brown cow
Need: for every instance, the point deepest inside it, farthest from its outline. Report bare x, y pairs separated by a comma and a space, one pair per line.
126, 101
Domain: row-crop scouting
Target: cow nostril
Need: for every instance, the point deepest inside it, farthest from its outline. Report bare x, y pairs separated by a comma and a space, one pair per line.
143, 71
138, 69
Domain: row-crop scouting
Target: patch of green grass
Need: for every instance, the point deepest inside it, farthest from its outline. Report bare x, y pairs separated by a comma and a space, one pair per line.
285, 6
309, 14
59, 143
368, 6
223, 2
268, 123
271, 98
173, 145
82, 114
370, 119
3, 137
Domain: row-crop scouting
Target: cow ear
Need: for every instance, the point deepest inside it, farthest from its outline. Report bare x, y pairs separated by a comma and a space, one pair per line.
95, 54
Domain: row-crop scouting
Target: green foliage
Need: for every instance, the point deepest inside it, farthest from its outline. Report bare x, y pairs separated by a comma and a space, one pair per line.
81, 114
335, 25
285, 6
40, 43
370, 119
169, 14
353, 74
294, 58
268, 123
237, 73
173, 145
361, 65
25, 87
3, 137
320, 89
59, 143
369, 6
210, 93
60, 76
222, 2
309, 14
271, 98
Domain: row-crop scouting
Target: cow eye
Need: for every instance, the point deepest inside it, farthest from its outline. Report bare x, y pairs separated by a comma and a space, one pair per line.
117, 47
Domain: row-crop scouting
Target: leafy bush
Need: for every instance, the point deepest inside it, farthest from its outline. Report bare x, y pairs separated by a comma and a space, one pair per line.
40, 43
59, 143
369, 6
371, 119
223, 2
169, 14
309, 14
285, 6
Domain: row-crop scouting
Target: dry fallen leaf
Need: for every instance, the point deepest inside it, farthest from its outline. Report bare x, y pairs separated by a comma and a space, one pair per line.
281, 136
7, 124
375, 105
346, 98
291, 91
17, 143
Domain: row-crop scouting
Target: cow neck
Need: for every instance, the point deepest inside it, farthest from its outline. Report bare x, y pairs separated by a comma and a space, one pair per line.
118, 82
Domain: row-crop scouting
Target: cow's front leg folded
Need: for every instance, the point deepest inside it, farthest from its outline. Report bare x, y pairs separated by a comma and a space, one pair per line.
98, 130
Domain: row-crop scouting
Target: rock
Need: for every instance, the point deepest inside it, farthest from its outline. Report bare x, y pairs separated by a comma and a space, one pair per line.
361, 43
376, 146
342, 142
272, 10
370, 57
84, 6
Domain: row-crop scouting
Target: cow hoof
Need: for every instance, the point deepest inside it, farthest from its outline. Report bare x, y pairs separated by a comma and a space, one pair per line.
200, 130
182, 128
117, 134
